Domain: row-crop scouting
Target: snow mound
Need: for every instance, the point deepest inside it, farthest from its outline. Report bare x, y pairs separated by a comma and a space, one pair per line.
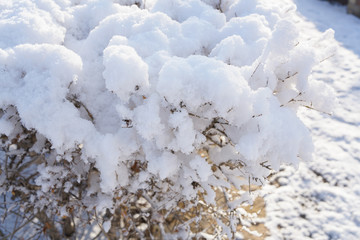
142, 88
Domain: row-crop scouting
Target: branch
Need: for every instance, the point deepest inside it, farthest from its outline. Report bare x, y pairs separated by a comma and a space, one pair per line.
20, 227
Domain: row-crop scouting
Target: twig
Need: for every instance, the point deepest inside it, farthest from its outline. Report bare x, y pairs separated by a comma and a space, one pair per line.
21, 226
194, 115
309, 107
6, 167
332, 55
15, 229
98, 235
255, 70
289, 76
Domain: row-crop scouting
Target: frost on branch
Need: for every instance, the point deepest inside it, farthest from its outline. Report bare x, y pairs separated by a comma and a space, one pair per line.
169, 104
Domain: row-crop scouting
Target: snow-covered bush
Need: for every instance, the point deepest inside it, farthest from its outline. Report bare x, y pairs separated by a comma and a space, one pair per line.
152, 109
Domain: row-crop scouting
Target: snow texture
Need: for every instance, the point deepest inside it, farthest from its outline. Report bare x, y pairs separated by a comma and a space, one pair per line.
320, 199
159, 81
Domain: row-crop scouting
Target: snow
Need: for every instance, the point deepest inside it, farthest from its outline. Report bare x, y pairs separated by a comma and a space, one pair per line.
320, 199
159, 83
26, 22
235, 51
6, 127
157, 163
195, 94
203, 169
125, 72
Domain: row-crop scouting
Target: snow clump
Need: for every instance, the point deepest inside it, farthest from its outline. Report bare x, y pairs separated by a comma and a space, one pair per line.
186, 96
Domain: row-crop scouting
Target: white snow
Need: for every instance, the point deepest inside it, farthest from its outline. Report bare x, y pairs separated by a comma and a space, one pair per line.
159, 83
144, 80
6, 127
125, 72
28, 22
320, 199
203, 169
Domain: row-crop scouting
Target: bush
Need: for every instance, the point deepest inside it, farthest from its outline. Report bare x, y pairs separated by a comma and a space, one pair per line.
150, 116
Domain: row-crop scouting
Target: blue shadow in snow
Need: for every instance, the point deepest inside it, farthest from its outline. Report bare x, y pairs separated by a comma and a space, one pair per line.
325, 15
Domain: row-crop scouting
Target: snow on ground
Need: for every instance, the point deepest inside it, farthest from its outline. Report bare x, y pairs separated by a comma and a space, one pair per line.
318, 201
321, 199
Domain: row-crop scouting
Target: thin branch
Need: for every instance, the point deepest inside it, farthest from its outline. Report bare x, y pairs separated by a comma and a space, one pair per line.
332, 55
20, 227
98, 235
6, 167
255, 70
309, 107
194, 115
289, 76
27, 164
